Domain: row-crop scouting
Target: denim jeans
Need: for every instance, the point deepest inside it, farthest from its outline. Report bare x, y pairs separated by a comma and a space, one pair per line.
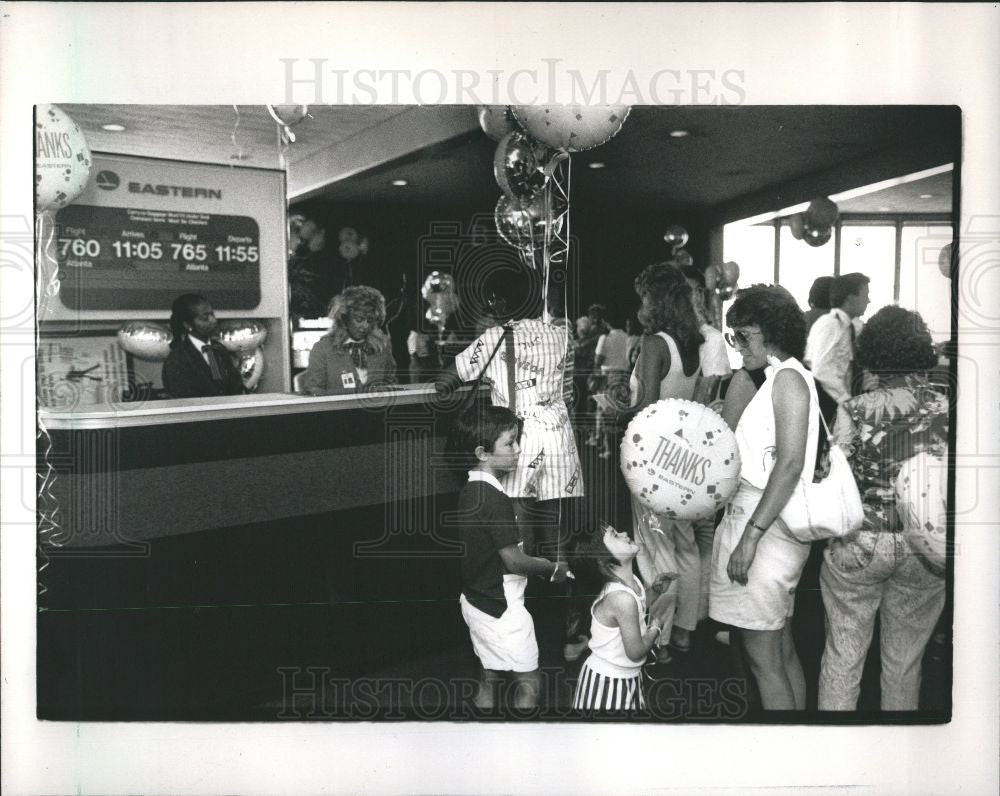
876, 572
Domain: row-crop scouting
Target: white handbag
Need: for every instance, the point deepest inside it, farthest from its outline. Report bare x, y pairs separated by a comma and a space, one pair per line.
827, 509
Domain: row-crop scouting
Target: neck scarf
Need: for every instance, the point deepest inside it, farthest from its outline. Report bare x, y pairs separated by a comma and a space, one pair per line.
358, 354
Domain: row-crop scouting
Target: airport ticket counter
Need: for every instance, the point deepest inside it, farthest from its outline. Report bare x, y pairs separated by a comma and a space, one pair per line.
208, 545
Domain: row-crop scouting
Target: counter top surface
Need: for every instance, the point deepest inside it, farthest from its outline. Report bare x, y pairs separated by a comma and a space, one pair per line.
194, 410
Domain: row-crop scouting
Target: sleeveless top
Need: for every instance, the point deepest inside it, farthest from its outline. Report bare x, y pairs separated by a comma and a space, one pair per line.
675, 384
607, 649
755, 433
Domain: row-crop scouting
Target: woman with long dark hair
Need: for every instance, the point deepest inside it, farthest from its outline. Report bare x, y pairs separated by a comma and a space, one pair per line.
668, 367
197, 365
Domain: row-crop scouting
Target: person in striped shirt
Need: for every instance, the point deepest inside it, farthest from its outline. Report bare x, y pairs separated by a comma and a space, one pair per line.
610, 678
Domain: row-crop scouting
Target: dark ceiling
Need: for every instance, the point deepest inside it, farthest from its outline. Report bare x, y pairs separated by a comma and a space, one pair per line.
730, 154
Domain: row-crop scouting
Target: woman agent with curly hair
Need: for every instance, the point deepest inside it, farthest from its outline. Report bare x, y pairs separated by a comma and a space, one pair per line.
874, 570
756, 563
668, 367
356, 355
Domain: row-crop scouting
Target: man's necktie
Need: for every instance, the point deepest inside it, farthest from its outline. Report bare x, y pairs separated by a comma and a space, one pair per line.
213, 363
357, 352
854, 373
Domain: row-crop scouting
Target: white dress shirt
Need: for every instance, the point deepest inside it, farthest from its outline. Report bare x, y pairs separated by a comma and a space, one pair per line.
830, 351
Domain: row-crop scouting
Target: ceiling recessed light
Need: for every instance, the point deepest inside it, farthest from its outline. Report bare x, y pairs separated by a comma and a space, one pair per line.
597, 164
884, 209
679, 133
113, 128
926, 196
400, 183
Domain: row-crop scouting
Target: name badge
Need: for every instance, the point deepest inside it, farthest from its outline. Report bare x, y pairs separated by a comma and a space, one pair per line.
347, 380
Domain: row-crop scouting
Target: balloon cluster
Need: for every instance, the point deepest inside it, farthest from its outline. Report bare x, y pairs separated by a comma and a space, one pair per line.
531, 142
286, 117
151, 342
439, 292
722, 279
815, 225
352, 245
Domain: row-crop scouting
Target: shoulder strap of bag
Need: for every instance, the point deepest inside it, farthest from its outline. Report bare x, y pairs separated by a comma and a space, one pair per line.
471, 397
509, 336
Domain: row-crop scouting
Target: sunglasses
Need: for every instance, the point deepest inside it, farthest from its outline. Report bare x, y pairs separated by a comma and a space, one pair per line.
740, 339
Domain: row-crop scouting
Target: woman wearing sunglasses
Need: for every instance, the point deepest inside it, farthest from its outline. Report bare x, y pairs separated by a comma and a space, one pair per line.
756, 563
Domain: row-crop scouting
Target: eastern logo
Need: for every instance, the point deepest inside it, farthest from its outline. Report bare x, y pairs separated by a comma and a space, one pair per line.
107, 180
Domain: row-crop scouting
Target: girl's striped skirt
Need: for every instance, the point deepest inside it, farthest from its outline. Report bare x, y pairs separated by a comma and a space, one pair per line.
598, 692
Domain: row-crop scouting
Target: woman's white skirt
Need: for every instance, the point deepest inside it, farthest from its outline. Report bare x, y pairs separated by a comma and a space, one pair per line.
768, 599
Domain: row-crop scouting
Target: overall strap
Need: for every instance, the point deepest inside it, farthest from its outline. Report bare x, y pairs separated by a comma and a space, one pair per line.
509, 334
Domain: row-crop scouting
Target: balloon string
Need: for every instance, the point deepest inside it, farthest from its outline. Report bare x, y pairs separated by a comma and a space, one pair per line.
569, 174
47, 286
46, 264
284, 131
236, 126
546, 252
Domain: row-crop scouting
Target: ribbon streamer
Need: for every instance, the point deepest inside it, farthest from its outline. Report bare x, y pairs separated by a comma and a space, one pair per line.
47, 286
236, 126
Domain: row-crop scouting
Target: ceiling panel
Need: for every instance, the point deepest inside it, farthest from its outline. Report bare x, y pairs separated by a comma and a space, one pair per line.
729, 152
240, 135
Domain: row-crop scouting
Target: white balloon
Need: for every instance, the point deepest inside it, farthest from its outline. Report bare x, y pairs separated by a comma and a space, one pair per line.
573, 128
62, 158
680, 459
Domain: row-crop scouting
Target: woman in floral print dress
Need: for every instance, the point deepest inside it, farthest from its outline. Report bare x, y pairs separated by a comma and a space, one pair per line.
874, 570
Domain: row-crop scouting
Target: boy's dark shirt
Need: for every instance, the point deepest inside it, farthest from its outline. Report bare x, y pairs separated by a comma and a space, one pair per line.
487, 526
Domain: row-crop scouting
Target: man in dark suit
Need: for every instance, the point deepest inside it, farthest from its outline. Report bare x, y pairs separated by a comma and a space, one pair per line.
197, 366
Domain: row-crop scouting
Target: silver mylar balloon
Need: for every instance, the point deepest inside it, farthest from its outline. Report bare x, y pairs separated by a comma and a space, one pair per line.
822, 212
496, 121
437, 282
145, 340
816, 236
944, 260
523, 224
240, 336
676, 236
251, 367
683, 257
516, 167
436, 315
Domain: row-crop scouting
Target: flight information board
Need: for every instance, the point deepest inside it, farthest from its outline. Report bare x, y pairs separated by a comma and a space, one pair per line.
145, 231
100, 248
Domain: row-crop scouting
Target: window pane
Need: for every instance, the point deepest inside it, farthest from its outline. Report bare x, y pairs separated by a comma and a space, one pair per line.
801, 264
752, 248
922, 286
871, 250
